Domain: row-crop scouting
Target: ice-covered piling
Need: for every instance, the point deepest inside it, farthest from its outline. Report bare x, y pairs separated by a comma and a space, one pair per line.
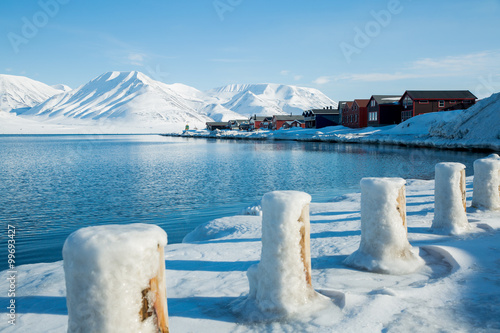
487, 183
115, 279
384, 246
281, 281
450, 215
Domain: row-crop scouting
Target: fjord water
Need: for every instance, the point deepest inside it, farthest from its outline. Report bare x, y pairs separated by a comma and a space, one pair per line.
51, 186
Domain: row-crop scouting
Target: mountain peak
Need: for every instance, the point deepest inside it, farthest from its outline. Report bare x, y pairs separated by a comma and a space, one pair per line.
21, 92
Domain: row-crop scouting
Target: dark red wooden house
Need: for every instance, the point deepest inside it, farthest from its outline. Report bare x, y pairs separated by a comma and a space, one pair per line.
415, 102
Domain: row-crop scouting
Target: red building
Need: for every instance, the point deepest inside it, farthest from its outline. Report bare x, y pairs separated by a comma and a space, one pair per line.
260, 122
294, 123
279, 121
357, 115
415, 102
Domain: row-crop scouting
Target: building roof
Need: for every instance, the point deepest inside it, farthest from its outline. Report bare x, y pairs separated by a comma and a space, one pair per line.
387, 99
294, 121
325, 111
239, 121
441, 94
288, 117
362, 103
260, 118
216, 123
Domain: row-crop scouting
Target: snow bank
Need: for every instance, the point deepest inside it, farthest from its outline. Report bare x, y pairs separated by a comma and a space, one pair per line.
384, 246
476, 124
108, 270
280, 284
450, 215
487, 183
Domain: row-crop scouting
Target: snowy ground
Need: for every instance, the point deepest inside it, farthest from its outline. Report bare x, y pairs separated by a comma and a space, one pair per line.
458, 289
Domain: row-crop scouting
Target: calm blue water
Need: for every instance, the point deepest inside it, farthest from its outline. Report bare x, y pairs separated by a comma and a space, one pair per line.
52, 185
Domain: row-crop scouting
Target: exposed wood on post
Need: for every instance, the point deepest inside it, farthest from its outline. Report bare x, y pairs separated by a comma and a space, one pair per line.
384, 246
462, 188
401, 205
158, 291
305, 242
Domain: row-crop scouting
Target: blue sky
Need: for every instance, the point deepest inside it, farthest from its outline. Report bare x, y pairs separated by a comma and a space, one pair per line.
347, 49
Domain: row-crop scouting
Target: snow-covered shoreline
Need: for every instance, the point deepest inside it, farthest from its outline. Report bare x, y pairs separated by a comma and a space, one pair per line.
477, 128
457, 289
341, 134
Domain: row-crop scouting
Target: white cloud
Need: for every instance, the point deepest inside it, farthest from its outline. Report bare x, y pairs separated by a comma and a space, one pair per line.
466, 62
378, 77
229, 60
474, 64
136, 59
297, 77
322, 80
285, 72
8, 70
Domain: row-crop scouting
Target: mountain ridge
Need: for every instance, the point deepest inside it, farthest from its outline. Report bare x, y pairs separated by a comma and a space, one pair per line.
134, 97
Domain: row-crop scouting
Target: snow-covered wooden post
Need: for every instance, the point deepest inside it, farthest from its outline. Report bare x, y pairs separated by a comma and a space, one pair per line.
115, 279
450, 207
384, 246
281, 281
487, 183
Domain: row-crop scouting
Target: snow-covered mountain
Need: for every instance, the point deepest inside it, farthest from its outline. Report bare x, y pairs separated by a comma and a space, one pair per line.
269, 99
21, 92
131, 102
126, 96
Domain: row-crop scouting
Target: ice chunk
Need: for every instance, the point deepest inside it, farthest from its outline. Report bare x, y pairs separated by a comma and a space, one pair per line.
450, 215
115, 278
384, 246
487, 183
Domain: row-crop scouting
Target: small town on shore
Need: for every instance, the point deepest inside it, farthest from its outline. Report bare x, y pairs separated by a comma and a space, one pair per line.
378, 110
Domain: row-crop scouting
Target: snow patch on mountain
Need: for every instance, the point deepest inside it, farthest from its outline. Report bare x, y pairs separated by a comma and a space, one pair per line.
21, 92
